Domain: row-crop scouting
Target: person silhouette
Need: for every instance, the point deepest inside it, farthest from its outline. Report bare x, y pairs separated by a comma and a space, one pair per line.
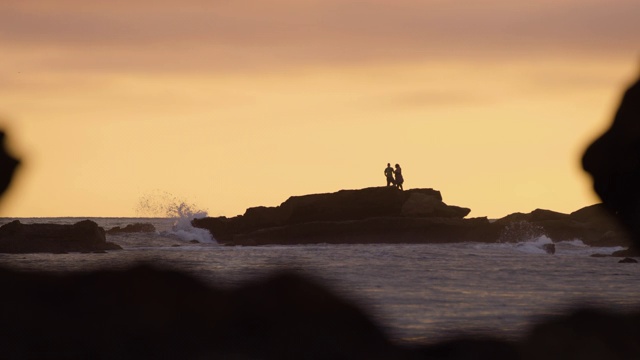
388, 172
399, 178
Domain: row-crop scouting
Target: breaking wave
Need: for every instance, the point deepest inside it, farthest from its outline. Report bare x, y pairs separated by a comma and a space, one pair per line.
163, 204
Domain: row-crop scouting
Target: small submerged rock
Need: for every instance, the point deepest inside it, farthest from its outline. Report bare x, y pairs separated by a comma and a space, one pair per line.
629, 252
549, 248
628, 261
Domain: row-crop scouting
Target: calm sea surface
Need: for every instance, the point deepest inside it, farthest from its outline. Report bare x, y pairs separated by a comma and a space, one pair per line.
417, 292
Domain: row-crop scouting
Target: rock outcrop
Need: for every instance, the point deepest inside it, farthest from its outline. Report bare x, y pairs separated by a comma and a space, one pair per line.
83, 236
592, 224
371, 215
386, 215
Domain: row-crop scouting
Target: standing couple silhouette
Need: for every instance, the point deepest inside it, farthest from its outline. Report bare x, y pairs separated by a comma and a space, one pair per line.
389, 172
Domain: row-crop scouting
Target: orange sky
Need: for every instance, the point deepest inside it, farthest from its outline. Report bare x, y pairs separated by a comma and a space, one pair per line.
232, 104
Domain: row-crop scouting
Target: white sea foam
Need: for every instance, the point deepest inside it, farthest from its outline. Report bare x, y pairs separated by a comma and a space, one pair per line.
182, 228
534, 246
166, 205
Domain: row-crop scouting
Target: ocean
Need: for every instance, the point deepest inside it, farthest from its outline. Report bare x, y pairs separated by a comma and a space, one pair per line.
417, 292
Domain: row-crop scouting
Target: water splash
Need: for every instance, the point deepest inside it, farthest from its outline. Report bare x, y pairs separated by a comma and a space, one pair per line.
521, 231
164, 204
534, 246
526, 237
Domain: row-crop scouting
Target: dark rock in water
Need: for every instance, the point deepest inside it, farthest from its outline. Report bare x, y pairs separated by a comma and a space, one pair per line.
345, 211
132, 228
84, 236
592, 224
629, 252
386, 215
374, 230
628, 261
549, 248
194, 242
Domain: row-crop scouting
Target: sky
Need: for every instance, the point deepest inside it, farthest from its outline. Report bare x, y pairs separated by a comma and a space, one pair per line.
227, 105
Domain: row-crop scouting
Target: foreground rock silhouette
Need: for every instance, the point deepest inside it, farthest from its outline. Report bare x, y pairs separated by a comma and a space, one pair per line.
149, 313
146, 312
613, 160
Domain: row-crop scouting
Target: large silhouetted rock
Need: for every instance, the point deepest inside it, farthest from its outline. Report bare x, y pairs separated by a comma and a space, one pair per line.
584, 334
349, 215
613, 160
149, 313
386, 215
377, 230
84, 236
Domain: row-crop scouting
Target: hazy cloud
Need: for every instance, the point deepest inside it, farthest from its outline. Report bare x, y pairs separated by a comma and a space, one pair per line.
188, 33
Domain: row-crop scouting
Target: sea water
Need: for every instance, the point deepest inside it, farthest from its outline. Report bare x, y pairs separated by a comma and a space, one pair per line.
417, 292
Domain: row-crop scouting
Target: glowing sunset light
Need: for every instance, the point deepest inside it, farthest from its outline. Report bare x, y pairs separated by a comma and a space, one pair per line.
245, 103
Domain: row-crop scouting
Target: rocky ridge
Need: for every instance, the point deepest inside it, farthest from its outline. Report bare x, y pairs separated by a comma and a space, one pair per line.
386, 215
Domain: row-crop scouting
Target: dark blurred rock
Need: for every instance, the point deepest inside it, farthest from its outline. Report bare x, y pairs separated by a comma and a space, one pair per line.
84, 236
587, 334
549, 248
8, 165
613, 160
628, 261
132, 228
629, 252
470, 348
150, 313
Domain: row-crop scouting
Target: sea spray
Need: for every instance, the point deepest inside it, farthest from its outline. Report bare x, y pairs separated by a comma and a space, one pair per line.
526, 237
164, 204
520, 231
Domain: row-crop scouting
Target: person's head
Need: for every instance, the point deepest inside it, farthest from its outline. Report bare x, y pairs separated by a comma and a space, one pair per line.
388, 164
397, 166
